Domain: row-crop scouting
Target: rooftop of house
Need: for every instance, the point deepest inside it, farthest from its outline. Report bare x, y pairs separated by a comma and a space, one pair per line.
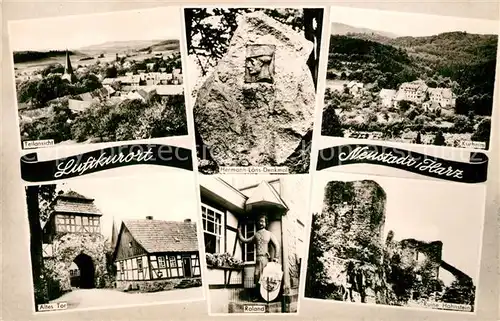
265, 193
414, 85
164, 236
445, 92
78, 105
73, 202
387, 92
354, 83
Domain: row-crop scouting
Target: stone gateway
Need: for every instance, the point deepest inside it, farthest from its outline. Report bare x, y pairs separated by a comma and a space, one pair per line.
258, 103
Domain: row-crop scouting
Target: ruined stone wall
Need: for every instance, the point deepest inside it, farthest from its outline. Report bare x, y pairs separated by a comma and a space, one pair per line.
67, 247
424, 257
356, 211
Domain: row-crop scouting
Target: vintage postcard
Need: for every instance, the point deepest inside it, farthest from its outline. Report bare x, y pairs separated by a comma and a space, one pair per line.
395, 242
113, 227
252, 75
410, 78
253, 229
99, 78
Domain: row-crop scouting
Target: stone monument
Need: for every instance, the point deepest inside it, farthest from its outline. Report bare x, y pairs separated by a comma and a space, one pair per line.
258, 102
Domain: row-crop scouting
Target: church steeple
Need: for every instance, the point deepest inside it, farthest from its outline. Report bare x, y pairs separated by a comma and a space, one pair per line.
68, 69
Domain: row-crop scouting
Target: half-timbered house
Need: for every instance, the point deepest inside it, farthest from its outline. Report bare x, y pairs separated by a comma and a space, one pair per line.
152, 255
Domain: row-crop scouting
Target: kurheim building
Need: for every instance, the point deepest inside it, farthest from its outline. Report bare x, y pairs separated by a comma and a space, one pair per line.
227, 206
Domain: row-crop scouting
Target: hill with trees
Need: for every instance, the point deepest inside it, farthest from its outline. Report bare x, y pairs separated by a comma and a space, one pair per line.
26, 56
163, 46
459, 60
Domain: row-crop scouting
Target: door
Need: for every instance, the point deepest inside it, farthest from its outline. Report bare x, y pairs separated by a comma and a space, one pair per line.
186, 266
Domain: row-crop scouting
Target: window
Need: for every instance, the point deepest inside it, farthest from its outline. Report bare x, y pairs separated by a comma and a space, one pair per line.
139, 264
173, 262
212, 227
122, 267
249, 248
161, 261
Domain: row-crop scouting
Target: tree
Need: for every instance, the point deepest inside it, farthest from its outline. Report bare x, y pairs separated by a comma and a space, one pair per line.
483, 131
404, 105
39, 200
439, 139
418, 140
52, 69
111, 72
162, 119
330, 123
460, 291
27, 90
209, 42
462, 124
50, 87
87, 83
412, 113
371, 118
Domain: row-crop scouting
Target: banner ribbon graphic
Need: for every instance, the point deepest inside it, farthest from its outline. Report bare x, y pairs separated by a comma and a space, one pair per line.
33, 170
474, 171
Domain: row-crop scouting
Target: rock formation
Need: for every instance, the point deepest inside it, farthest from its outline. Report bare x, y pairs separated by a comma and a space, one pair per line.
258, 103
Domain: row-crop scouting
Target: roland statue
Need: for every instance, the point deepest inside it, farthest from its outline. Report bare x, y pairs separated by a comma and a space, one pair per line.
262, 238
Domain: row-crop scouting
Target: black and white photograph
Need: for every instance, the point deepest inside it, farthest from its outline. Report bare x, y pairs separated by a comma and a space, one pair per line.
253, 228
410, 78
252, 75
99, 78
121, 241
395, 242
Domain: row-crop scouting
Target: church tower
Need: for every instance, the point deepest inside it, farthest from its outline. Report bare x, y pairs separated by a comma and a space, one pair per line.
68, 70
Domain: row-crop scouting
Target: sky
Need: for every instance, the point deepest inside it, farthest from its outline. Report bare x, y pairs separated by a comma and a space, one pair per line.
169, 196
73, 32
430, 211
409, 24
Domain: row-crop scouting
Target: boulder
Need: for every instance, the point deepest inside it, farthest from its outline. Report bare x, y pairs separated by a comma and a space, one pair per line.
258, 103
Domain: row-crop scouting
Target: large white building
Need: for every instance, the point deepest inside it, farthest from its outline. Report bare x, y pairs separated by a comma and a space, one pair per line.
418, 92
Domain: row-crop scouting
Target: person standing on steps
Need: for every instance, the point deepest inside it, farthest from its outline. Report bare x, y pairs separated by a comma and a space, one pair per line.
262, 239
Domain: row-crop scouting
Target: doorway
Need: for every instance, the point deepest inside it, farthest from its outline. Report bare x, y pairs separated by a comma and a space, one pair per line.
186, 266
86, 272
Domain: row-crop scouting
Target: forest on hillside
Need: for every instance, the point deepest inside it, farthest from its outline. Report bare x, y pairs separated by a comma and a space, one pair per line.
25, 56
462, 61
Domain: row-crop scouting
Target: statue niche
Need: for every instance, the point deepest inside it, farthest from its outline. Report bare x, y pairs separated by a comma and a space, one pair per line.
259, 64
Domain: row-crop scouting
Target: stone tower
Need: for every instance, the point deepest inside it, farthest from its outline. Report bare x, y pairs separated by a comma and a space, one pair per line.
357, 212
72, 234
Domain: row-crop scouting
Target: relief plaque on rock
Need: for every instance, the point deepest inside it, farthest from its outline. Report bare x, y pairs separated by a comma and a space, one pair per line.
259, 63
